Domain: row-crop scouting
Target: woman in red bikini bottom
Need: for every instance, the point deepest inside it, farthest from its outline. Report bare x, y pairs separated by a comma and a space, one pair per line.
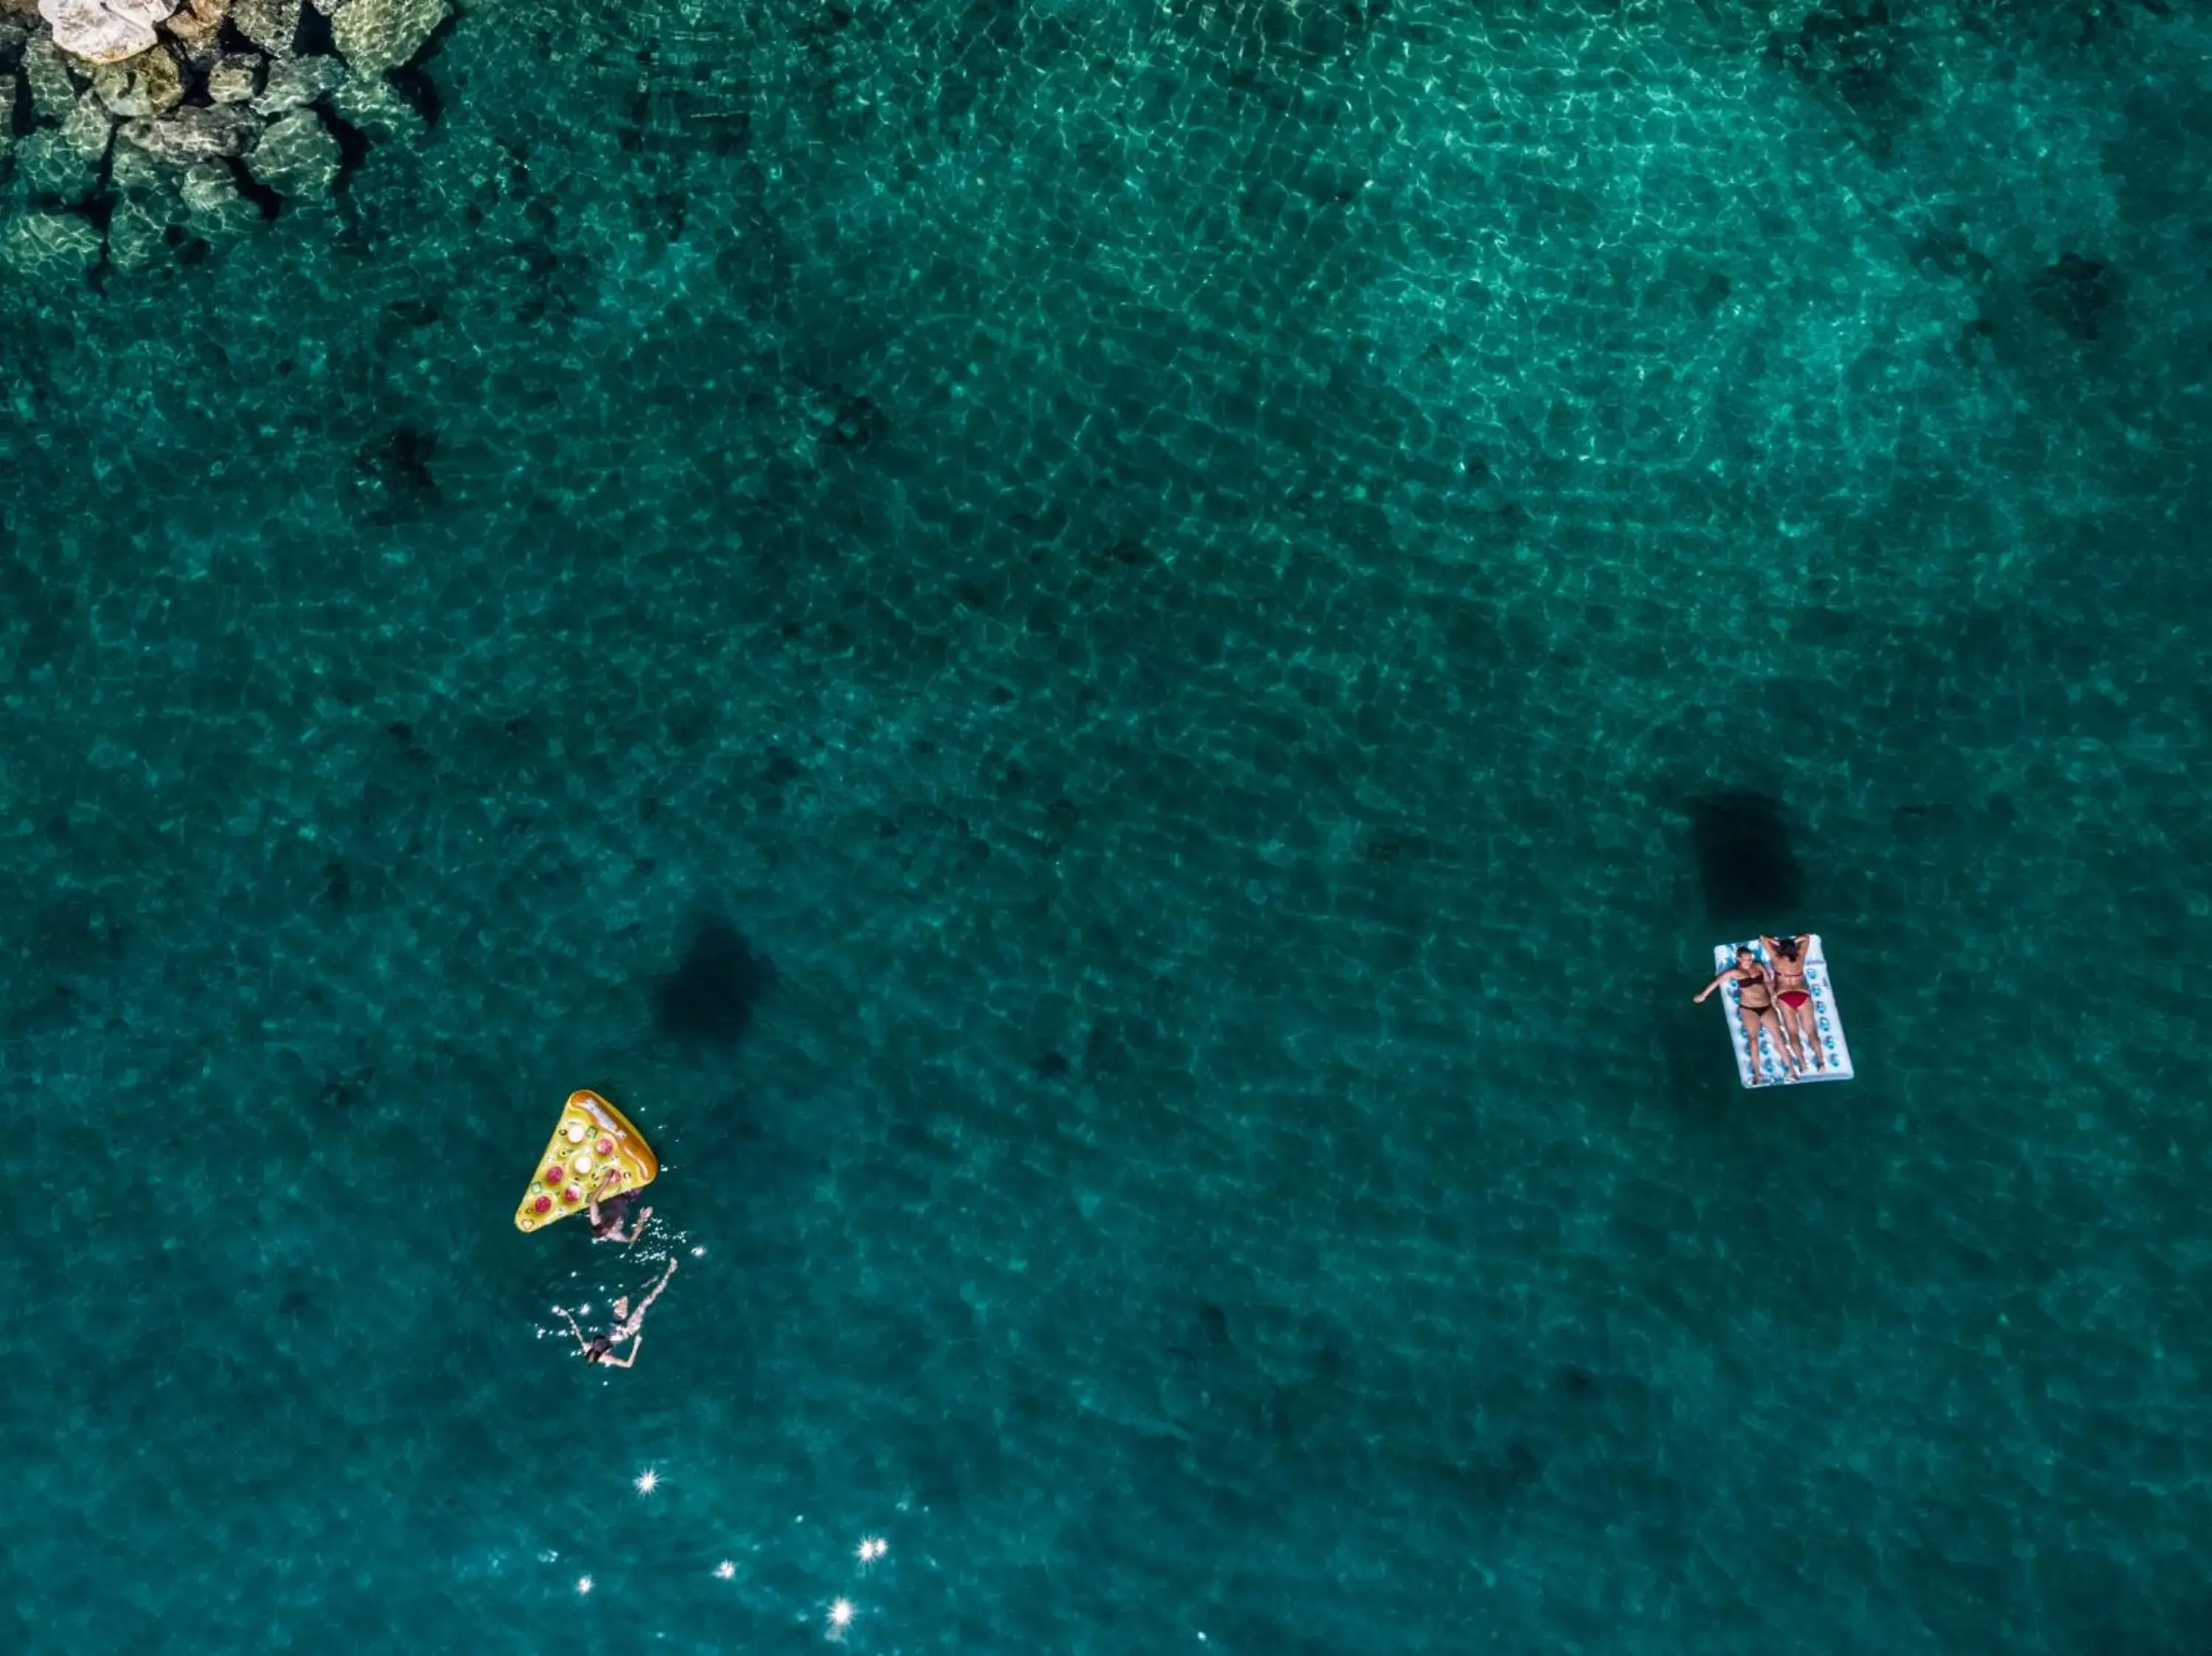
1788, 955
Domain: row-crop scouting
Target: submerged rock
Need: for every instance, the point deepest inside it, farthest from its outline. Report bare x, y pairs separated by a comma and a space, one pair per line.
53, 89
216, 91
64, 160
368, 103
272, 25
132, 171
48, 165
105, 31
297, 156
207, 187
299, 81
88, 129
211, 196
375, 35
138, 229
194, 134
152, 83
234, 78
49, 247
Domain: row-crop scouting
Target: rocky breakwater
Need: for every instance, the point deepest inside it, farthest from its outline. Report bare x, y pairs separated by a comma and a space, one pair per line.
158, 129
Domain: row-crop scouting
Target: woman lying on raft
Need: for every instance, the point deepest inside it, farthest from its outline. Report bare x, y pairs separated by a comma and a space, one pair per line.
1755, 1005
1795, 995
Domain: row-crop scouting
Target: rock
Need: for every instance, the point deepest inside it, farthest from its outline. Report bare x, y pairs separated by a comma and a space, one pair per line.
132, 171
138, 229
53, 89
207, 187
152, 83
193, 134
105, 31
195, 24
375, 35
369, 102
272, 25
217, 211
64, 160
297, 157
48, 165
88, 129
299, 81
234, 78
49, 247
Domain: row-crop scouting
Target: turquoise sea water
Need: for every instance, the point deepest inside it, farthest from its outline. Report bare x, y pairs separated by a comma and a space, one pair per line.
1114, 664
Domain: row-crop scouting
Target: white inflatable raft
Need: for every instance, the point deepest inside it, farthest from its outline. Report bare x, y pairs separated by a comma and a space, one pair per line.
1834, 1054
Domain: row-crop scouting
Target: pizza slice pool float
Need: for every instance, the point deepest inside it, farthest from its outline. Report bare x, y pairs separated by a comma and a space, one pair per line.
595, 1155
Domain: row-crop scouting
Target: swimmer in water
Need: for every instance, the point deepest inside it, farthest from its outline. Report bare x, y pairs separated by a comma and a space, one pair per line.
607, 1224
600, 1348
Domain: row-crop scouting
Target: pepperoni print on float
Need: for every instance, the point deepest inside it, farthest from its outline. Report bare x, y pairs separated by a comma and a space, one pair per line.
595, 1155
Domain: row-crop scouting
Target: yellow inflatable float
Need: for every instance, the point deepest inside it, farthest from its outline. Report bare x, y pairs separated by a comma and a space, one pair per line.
595, 1155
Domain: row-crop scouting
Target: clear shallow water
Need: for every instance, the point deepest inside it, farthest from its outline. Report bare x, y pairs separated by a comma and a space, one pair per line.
1182, 575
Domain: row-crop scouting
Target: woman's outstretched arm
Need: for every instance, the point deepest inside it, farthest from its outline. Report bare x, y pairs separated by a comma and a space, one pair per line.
580, 1340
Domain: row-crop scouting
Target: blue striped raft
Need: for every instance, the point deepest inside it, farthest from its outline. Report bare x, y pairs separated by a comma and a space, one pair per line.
1834, 1053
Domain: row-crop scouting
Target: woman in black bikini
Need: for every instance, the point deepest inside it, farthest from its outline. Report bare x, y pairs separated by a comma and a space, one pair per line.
1795, 995
1754, 1004
628, 1323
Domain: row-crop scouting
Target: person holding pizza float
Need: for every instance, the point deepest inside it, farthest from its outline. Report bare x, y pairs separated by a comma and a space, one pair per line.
595, 1165
607, 1222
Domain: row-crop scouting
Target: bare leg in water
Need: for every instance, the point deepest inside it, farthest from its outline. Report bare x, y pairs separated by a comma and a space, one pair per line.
1756, 1018
635, 1320
1804, 1030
